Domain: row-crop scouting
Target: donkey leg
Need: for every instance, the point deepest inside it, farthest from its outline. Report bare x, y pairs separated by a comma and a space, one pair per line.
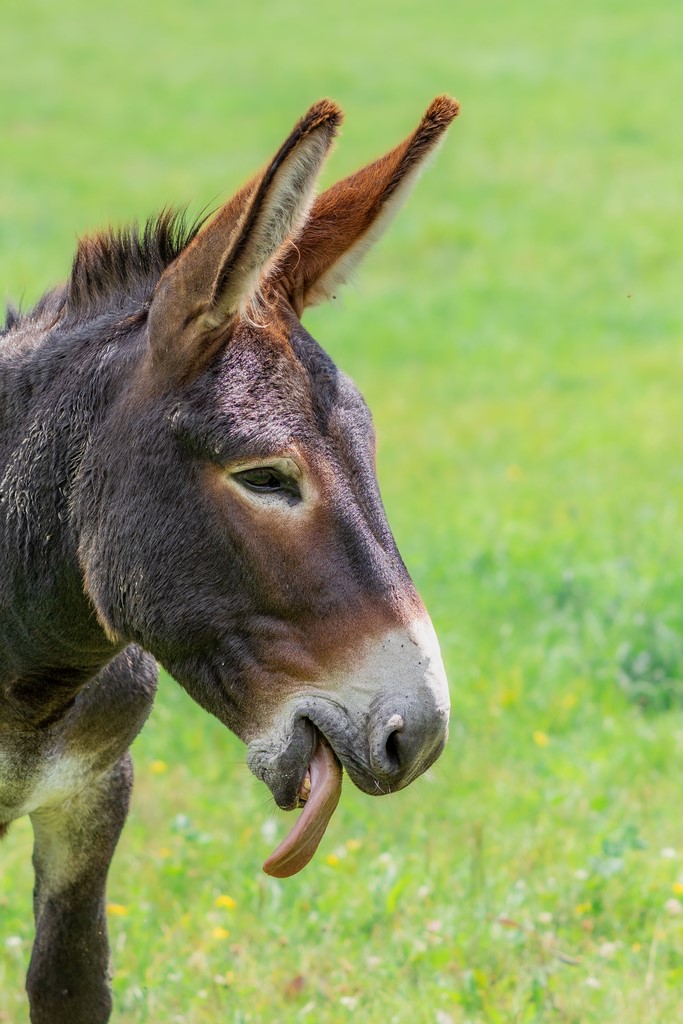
68, 977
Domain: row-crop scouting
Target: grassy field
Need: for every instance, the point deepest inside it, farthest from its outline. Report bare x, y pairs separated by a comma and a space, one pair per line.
519, 337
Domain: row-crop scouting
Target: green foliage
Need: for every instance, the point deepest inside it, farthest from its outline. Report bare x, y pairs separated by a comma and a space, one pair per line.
519, 338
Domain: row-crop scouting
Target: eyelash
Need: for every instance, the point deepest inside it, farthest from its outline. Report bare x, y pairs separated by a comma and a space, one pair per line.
268, 480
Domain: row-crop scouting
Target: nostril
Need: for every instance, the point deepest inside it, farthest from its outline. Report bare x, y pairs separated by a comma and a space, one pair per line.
392, 749
390, 745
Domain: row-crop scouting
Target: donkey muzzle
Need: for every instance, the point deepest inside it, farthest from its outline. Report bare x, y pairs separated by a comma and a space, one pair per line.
384, 721
385, 717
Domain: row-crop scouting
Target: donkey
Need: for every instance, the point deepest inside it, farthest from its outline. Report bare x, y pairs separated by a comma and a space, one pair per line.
187, 478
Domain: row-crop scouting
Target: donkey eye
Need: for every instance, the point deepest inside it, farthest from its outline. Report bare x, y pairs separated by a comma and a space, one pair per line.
267, 480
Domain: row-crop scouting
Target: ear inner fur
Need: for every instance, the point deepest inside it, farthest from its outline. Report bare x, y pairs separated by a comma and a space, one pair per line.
221, 268
351, 215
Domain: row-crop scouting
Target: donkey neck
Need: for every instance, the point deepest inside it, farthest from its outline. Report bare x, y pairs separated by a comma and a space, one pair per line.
55, 387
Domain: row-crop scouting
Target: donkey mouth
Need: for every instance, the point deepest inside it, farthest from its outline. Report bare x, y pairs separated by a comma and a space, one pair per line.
318, 795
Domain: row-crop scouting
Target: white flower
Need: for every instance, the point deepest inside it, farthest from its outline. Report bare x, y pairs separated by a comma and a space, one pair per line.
269, 829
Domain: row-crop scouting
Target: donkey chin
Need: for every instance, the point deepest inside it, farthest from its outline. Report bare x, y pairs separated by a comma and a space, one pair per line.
385, 721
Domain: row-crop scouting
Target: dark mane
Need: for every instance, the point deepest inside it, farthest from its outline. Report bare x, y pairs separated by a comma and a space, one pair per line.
115, 268
48, 305
117, 265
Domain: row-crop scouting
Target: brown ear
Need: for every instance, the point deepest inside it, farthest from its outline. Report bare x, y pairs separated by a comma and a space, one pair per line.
218, 273
350, 217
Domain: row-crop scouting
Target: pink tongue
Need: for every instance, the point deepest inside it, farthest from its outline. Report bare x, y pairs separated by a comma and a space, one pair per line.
296, 849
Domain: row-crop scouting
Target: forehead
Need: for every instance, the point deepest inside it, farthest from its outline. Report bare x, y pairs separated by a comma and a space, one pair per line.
274, 385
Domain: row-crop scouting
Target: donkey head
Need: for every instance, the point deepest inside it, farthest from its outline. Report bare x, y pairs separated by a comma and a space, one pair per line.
241, 536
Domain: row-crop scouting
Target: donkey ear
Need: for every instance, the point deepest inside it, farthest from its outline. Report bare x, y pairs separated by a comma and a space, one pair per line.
352, 215
220, 270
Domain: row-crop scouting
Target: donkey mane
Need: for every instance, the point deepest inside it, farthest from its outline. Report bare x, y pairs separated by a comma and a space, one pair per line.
115, 267
122, 263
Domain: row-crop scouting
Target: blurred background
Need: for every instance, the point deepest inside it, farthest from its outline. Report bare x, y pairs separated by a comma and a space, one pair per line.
518, 334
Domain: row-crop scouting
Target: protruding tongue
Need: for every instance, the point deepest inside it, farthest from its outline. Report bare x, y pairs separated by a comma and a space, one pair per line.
296, 849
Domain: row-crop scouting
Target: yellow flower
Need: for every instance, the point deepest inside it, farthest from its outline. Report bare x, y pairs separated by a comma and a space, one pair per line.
226, 901
117, 909
352, 845
158, 767
332, 859
583, 908
569, 701
541, 739
164, 852
220, 933
677, 887
509, 696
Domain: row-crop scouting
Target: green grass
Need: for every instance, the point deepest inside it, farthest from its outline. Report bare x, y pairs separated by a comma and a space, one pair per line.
520, 339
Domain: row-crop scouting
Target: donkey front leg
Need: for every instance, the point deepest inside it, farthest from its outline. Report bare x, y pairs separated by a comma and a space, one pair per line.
68, 977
